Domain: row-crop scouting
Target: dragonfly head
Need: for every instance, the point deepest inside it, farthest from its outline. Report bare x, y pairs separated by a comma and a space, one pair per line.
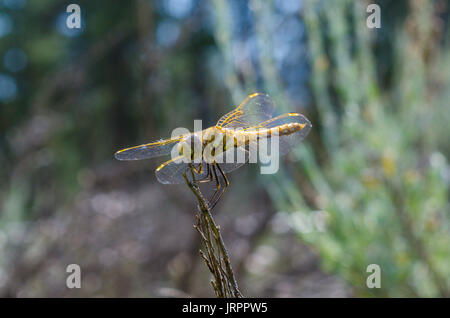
190, 147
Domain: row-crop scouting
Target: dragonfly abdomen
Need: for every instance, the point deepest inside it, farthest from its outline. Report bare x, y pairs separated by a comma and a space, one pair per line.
282, 130
244, 137
288, 129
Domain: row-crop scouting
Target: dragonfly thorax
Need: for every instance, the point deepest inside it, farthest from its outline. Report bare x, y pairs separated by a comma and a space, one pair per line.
190, 147
219, 139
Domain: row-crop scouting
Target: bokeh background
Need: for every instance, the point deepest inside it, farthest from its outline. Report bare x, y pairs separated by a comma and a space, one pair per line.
369, 185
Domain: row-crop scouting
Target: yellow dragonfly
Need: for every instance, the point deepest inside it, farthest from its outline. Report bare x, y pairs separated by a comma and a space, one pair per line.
202, 153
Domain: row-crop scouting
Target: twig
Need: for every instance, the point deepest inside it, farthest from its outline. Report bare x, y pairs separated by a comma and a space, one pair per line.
216, 256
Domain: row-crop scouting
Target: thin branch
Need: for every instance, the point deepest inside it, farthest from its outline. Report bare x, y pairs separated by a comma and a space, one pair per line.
216, 257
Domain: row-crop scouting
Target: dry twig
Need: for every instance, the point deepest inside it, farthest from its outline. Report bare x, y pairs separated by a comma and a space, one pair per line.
215, 255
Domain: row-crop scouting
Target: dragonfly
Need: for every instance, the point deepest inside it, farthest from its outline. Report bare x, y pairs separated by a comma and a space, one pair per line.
201, 154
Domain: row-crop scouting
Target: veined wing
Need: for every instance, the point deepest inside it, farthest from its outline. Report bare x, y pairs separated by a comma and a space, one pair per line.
255, 109
232, 159
287, 118
171, 172
154, 149
286, 140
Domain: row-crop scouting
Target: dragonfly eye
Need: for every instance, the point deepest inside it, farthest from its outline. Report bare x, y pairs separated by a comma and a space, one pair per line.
191, 147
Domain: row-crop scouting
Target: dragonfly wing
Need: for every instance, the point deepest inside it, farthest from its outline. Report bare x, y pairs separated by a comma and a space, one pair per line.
154, 149
287, 118
232, 159
255, 109
171, 172
286, 142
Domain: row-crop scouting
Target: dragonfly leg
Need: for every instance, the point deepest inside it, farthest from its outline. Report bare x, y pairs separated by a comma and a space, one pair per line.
220, 187
224, 176
223, 189
209, 176
199, 171
192, 171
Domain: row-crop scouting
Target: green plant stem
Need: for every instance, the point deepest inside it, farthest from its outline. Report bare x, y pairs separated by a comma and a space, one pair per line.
414, 241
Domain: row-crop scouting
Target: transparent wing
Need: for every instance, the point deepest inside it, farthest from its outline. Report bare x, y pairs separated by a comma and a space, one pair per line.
255, 109
287, 118
232, 159
154, 149
285, 141
171, 172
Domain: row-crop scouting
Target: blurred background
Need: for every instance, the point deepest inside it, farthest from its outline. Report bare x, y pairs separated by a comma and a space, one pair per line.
369, 184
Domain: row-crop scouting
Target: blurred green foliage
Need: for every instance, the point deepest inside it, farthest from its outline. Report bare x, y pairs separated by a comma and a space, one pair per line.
385, 179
